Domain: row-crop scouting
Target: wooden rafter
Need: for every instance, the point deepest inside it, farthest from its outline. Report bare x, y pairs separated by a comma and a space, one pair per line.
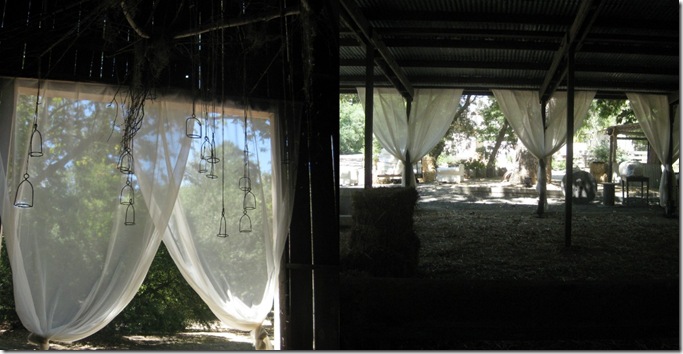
586, 15
385, 60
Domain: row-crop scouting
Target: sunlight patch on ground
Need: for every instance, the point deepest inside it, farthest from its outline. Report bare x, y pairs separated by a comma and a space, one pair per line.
243, 337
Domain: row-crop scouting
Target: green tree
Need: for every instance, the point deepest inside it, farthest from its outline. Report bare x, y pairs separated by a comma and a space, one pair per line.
494, 128
602, 114
351, 124
461, 125
165, 302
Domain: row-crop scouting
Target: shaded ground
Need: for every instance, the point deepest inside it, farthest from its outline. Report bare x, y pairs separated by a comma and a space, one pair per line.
493, 275
217, 338
484, 238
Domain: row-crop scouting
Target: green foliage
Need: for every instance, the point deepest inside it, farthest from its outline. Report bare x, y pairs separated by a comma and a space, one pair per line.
8, 315
462, 126
351, 124
448, 160
600, 153
493, 123
604, 113
473, 164
165, 303
559, 164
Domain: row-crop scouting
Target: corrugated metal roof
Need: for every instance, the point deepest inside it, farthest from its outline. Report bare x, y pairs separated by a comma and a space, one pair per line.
631, 44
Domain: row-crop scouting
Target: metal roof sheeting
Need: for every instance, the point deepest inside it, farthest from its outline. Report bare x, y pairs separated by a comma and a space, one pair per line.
632, 45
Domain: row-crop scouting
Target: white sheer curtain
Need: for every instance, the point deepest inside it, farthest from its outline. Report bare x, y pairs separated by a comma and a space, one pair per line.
389, 120
652, 112
75, 265
236, 276
431, 113
522, 109
6, 108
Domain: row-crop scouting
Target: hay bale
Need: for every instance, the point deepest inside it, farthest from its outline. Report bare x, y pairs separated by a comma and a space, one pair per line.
599, 171
383, 242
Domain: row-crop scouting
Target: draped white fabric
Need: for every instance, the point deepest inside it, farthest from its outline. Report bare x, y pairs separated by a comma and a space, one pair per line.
75, 265
522, 109
389, 120
652, 112
431, 113
7, 96
236, 276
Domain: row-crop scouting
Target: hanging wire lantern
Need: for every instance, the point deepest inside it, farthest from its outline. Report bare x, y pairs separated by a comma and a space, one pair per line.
36, 142
23, 198
249, 201
125, 164
244, 183
223, 227
212, 172
127, 193
130, 214
204, 150
193, 127
212, 158
203, 166
245, 223
24, 195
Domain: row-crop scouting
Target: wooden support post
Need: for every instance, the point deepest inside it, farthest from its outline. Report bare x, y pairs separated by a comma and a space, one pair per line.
541, 166
299, 334
408, 176
369, 109
612, 153
670, 208
314, 230
570, 149
324, 202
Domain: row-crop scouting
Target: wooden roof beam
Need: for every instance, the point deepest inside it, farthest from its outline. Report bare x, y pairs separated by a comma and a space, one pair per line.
385, 60
586, 15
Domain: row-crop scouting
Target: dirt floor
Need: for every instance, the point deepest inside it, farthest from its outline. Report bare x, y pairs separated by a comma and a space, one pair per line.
489, 231
219, 338
500, 272
479, 236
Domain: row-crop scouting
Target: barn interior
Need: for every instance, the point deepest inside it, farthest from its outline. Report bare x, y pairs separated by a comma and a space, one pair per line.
279, 55
303, 53
609, 47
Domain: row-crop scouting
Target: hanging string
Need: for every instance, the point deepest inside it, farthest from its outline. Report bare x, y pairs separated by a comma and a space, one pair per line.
36, 141
286, 79
193, 125
23, 198
249, 200
222, 228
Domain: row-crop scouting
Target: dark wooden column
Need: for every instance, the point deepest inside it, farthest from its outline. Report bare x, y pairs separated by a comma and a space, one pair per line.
369, 109
570, 149
542, 167
313, 268
670, 208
